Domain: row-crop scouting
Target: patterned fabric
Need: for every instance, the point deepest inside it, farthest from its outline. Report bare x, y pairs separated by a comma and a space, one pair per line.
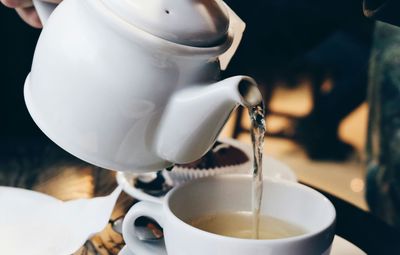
383, 148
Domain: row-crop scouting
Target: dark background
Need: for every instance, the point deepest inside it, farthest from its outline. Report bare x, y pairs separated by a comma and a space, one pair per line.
17, 44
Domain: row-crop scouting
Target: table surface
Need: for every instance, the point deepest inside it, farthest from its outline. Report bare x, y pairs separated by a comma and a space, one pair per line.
364, 229
67, 180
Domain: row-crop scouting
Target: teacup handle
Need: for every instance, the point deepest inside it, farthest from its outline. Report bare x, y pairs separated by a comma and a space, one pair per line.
150, 210
44, 10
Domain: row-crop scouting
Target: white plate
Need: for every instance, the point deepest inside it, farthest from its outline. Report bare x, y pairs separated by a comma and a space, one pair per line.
37, 224
343, 247
340, 247
272, 168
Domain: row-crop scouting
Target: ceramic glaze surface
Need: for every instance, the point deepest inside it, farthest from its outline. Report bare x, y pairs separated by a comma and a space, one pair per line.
287, 201
190, 22
124, 99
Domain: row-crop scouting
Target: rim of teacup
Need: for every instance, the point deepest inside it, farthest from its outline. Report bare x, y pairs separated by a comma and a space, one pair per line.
322, 228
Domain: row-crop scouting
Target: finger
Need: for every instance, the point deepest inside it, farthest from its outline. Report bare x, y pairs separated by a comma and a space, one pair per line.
17, 3
30, 16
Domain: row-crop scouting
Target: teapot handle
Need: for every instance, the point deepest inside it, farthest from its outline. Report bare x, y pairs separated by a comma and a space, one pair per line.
44, 9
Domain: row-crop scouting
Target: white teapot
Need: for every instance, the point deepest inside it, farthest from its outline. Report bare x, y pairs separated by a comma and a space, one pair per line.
132, 85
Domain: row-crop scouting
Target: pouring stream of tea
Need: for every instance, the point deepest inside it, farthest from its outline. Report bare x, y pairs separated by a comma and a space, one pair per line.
257, 137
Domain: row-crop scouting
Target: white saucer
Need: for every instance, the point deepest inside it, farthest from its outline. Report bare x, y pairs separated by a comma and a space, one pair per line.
340, 246
343, 247
125, 251
34, 223
272, 168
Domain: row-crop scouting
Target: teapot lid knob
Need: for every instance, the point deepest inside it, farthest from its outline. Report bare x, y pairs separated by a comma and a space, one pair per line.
198, 23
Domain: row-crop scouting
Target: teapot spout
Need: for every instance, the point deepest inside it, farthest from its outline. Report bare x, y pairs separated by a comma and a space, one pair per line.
195, 116
248, 92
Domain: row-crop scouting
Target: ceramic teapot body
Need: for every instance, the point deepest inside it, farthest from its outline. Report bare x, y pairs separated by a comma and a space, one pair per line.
123, 99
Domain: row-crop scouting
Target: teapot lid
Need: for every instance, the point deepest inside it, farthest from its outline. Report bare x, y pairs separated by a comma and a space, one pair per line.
198, 23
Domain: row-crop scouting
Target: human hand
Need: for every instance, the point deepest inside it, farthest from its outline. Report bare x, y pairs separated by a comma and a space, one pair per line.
26, 10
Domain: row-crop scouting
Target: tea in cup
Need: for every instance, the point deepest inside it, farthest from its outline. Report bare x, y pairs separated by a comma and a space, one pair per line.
213, 216
241, 225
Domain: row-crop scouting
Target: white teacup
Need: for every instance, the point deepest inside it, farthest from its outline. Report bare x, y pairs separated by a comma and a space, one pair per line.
291, 202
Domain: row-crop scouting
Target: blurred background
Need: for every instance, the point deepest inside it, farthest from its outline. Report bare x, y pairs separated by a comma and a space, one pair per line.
312, 60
